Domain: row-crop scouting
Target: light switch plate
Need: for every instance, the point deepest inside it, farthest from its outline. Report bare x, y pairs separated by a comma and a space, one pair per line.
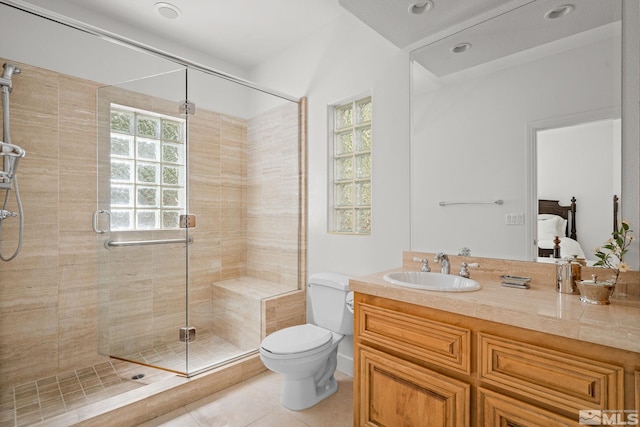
514, 219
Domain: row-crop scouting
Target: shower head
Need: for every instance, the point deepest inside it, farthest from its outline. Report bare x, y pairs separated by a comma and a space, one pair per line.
5, 80
9, 70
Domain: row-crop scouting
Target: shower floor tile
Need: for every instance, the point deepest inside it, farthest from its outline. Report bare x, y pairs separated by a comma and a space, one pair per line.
45, 398
201, 352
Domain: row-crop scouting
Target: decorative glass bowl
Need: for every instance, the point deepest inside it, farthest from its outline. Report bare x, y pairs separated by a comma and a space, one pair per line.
594, 291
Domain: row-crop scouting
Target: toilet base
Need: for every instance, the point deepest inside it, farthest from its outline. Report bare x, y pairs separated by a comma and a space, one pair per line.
298, 394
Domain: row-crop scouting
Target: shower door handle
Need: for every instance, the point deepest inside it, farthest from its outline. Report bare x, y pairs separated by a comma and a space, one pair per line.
95, 221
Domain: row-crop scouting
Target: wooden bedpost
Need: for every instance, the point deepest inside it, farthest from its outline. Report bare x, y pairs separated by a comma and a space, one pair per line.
573, 219
615, 216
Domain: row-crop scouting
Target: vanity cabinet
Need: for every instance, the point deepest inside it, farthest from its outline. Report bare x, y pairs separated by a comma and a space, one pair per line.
418, 366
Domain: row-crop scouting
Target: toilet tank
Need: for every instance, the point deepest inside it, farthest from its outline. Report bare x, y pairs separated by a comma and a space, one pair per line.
326, 302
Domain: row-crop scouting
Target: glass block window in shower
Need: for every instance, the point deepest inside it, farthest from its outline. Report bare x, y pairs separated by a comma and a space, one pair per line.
147, 170
350, 159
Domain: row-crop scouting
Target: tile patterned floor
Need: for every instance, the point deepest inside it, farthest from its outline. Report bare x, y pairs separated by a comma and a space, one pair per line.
256, 403
45, 398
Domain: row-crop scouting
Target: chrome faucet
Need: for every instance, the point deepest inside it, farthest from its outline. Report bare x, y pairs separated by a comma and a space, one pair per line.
443, 259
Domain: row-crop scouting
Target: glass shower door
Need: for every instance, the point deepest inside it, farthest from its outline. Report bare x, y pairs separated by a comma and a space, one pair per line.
244, 175
141, 242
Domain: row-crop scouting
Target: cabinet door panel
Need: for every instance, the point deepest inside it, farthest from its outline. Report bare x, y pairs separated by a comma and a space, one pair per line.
496, 410
394, 392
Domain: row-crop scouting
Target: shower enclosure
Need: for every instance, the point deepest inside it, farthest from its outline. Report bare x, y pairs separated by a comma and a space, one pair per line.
198, 217
197, 246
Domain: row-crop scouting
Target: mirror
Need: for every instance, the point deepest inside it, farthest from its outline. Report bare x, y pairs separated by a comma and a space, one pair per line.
480, 96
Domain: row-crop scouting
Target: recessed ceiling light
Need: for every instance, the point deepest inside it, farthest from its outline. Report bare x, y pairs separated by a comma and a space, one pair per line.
559, 11
461, 47
420, 6
167, 10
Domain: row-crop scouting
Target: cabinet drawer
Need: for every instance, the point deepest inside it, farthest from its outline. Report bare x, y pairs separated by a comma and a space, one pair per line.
394, 392
496, 410
565, 381
437, 343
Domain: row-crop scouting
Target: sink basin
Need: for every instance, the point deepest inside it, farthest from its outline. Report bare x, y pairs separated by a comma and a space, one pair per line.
432, 281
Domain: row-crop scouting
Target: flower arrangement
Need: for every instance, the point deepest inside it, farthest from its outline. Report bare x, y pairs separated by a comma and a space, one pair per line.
611, 254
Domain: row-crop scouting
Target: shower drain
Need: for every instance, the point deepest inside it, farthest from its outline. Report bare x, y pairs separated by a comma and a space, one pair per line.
137, 376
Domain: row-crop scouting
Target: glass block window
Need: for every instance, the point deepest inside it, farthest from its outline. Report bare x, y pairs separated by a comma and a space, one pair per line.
351, 164
147, 170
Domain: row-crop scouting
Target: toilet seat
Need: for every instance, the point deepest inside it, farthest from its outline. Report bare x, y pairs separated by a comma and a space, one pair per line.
297, 341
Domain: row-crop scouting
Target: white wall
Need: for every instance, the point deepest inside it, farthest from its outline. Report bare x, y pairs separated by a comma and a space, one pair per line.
630, 202
347, 58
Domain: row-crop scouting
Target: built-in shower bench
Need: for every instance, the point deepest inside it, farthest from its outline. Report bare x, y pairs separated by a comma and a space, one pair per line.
246, 309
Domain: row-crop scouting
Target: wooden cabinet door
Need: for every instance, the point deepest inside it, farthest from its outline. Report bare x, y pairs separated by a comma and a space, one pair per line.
496, 410
393, 392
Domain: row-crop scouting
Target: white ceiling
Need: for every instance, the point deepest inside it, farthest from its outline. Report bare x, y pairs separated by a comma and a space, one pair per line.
245, 33
241, 32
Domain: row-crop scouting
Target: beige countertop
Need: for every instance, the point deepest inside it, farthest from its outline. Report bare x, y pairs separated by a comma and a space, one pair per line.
539, 308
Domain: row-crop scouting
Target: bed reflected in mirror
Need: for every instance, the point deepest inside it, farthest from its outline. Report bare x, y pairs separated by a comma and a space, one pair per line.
575, 190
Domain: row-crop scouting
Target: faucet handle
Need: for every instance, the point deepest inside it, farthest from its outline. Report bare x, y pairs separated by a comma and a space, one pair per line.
464, 268
425, 264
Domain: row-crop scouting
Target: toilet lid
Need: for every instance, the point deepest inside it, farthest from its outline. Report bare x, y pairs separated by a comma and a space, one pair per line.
296, 339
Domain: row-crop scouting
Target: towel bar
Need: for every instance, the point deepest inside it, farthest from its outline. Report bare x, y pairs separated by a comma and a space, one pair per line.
494, 202
113, 244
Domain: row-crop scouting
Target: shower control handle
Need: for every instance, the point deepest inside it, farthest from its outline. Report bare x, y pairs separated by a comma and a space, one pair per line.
6, 214
95, 221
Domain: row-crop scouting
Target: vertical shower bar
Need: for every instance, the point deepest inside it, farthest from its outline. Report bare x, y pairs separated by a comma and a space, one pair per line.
186, 196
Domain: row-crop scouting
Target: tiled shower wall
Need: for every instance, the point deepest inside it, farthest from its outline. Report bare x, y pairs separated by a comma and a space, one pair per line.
273, 195
49, 293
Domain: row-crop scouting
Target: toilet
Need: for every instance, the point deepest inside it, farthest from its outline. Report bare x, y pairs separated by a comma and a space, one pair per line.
307, 355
